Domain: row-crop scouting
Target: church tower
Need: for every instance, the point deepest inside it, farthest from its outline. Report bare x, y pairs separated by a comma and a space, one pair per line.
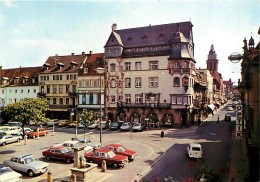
212, 62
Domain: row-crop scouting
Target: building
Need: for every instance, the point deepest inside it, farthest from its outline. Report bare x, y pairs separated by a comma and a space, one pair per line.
150, 74
58, 83
229, 89
89, 85
18, 84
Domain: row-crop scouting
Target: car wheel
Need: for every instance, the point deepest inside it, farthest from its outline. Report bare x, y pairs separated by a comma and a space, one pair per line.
68, 160
48, 157
30, 173
115, 165
90, 161
4, 144
18, 140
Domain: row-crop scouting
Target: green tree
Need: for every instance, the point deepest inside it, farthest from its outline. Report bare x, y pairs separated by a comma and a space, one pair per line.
87, 117
210, 174
26, 110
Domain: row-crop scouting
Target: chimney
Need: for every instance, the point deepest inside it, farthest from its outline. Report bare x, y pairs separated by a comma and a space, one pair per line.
113, 27
90, 52
72, 54
83, 53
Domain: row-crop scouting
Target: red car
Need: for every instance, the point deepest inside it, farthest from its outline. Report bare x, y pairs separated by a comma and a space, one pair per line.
36, 131
59, 152
109, 156
121, 150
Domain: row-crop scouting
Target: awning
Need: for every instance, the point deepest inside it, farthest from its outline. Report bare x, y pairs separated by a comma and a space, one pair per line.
211, 106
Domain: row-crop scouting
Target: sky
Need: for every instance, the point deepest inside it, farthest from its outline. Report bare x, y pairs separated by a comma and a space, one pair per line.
31, 31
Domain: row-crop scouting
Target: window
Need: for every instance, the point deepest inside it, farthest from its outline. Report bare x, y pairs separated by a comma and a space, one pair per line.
153, 82
28, 91
75, 76
48, 89
48, 101
127, 82
186, 65
98, 83
3, 91
67, 88
90, 83
15, 91
113, 99
67, 101
173, 99
34, 90
84, 83
176, 82
179, 99
138, 82
138, 98
68, 77
60, 77
153, 65
176, 64
48, 77
60, 89
54, 77
33, 80
112, 67
71, 77
185, 100
128, 98
113, 83
61, 101
138, 66
54, 89
54, 101
127, 66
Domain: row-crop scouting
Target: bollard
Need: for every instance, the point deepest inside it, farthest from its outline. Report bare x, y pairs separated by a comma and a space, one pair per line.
49, 177
73, 178
104, 166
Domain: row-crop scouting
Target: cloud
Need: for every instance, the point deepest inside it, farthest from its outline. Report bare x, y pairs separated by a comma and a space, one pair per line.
10, 4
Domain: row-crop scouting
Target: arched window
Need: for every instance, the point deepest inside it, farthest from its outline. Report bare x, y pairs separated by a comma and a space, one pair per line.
176, 64
176, 82
113, 83
186, 64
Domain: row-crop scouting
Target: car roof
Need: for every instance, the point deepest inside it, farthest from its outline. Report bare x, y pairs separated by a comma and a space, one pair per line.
21, 155
58, 147
70, 141
195, 145
114, 145
103, 150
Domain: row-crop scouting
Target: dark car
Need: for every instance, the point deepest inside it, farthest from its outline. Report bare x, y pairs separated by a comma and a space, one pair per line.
120, 149
114, 126
109, 156
227, 117
59, 152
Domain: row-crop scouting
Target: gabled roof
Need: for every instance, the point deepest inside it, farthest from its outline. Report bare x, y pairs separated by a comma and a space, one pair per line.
53, 61
93, 61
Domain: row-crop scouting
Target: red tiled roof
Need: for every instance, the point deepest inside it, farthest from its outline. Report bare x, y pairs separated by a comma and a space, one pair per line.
93, 61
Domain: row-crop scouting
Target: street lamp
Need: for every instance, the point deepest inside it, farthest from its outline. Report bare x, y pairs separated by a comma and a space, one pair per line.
100, 71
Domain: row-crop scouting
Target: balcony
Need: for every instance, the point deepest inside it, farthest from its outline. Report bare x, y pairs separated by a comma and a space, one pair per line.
41, 94
144, 105
181, 70
73, 94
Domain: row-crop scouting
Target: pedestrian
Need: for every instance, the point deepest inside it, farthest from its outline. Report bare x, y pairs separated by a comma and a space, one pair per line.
25, 139
162, 134
218, 118
40, 126
199, 121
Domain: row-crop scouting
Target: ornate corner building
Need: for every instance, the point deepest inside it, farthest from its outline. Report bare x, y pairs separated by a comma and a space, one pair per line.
151, 74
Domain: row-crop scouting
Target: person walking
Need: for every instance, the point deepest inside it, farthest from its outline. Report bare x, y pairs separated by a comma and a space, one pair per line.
162, 134
25, 139
218, 119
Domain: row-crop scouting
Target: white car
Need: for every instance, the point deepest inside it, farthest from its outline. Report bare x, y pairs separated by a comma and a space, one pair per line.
27, 163
8, 175
194, 150
5, 139
125, 127
10, 129
72, 144
26, 131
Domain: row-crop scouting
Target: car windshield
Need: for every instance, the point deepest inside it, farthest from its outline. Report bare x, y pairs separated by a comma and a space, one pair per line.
65, 150
137, 124
196, 148
121, 149
35, 129
30, 159
114, 124
5, 170
125, 124
111, 154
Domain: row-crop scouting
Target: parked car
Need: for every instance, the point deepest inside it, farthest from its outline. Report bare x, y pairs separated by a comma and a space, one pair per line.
8, 175
138, 127
60, 152
194, 150
227, 117
5, 139
52, 122
125, 127
73, 144
13, 123
120, 149
88, 142
64, 123
109, 156
10, 129
114, 126
73, 124
104, 125
38, 132
93, 126
27, 163
230, 109
26, 131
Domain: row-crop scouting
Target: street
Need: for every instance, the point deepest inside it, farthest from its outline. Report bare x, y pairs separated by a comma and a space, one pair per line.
156, 157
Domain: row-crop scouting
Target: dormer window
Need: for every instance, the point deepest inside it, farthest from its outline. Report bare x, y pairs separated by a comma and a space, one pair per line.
85, 70
16, 79
144, 38
33, 80
46, 66
129, 39
60, 65
176, 64
73, 64
25, 79
161, 36
4, 80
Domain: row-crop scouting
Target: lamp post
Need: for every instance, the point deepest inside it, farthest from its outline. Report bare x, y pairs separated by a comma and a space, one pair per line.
100, 71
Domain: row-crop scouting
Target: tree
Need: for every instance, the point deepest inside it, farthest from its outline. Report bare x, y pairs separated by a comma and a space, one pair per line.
210, 174
26, 110
87, 117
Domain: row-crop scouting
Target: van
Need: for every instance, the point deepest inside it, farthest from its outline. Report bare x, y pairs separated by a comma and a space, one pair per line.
10, 129
194, 150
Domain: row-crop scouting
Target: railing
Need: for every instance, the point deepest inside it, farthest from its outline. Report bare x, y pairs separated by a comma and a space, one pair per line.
144, 105
180, 70
41, 94
58, 106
